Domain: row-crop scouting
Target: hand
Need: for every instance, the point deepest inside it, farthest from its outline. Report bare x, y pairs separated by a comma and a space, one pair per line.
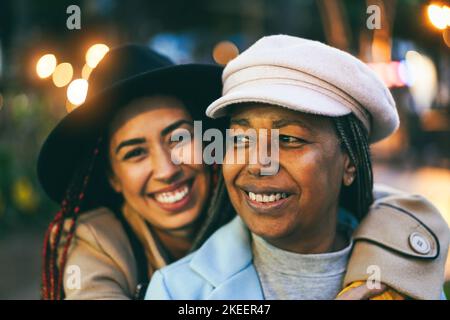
362, 292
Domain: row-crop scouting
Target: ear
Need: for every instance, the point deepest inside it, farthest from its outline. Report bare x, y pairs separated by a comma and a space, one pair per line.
349, 171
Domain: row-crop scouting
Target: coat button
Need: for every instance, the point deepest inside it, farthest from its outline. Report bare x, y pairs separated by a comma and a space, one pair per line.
419, 243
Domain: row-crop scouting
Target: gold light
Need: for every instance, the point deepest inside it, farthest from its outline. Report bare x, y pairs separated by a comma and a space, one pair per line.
63, 74
225, 51
95, 54
86, 72
438, 16
46, 66
77, 91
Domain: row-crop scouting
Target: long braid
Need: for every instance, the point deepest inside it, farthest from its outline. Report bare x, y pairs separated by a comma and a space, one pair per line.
354, 141
52, 274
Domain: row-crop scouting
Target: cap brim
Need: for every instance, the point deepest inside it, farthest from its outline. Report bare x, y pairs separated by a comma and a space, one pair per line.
288, 96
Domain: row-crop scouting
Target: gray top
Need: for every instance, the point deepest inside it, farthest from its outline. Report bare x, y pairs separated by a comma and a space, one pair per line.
287, 275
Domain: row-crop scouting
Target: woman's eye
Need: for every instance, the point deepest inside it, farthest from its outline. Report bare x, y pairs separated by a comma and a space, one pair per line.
241, 140
134, 153
290, 140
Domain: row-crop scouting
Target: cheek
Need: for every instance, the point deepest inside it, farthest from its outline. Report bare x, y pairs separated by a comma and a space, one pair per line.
314, 170
203, 177
230, 172
132, 177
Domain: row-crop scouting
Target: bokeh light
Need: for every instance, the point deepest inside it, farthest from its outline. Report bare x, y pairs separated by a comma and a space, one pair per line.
63, 74
46, 66
77, 91
95, 54
438, 16
86, 72
424, 79
225, 51
24, 195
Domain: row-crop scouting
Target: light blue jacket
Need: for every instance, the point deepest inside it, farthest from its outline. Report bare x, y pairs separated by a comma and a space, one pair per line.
221, 269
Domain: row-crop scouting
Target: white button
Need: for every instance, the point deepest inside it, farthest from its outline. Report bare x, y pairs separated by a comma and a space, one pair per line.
419, 243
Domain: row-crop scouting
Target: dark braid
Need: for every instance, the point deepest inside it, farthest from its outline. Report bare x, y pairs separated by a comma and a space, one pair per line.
358, 197
52, 273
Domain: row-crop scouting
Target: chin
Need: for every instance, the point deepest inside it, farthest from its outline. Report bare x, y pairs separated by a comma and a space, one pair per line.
181, 220
268, 228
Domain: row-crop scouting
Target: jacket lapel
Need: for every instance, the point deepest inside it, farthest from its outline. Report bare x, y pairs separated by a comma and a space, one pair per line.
244, 285
225, 261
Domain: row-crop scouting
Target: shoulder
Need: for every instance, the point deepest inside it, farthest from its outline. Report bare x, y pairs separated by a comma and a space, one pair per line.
99, 233
101, 228
103, 254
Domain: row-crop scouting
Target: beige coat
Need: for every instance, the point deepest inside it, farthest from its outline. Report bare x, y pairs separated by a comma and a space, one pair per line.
390, 242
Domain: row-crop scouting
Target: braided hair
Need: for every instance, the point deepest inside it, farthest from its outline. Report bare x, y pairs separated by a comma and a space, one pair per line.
358, 197
61, 229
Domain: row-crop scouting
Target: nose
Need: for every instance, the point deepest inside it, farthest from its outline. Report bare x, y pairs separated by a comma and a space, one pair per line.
164, 170
264, 160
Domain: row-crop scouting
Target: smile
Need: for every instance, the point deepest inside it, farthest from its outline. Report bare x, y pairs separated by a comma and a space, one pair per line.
173, 196
266, 200
176, 197
263, 198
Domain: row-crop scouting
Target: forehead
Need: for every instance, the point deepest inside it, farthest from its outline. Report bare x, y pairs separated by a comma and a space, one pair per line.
148, 114
265, 114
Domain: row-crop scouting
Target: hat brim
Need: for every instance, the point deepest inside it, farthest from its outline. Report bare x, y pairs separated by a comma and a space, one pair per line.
292, 97
197, 85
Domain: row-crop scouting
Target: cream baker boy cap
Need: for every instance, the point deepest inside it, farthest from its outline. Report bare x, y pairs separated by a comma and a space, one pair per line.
310, 77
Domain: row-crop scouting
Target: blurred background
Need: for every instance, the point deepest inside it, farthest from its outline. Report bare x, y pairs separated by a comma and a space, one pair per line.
45, 67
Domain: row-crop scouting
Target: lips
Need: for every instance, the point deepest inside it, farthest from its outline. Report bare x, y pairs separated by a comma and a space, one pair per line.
266, 199
175, 197
172, 196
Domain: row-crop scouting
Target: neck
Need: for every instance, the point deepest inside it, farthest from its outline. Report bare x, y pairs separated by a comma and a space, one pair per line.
321, 238
176, 242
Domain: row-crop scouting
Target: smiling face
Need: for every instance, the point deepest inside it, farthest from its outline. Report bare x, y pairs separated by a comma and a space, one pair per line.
169, 196
295, 208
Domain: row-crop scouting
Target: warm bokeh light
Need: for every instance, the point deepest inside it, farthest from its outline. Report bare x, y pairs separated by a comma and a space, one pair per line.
63, 74
424, 79
86, 72
225, 51
70, 106
95, 54
438, 16
46, 66
77, 91
446, 36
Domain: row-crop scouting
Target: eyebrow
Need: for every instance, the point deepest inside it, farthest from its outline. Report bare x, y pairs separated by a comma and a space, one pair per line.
165, 131
175, 125
275, 124
286, 122
131, 142
240, 122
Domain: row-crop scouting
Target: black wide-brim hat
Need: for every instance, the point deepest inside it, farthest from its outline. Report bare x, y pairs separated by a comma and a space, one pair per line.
125, 73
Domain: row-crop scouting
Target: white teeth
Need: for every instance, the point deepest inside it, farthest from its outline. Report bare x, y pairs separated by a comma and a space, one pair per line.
173, 196
259, 197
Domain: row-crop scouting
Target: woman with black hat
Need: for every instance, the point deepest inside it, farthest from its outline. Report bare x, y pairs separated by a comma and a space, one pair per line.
114, 152
126, 209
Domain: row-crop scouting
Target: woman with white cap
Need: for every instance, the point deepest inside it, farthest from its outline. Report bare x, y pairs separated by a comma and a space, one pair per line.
296, 228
